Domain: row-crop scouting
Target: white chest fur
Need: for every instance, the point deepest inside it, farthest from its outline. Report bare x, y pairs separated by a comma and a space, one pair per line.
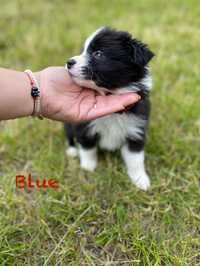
115, 128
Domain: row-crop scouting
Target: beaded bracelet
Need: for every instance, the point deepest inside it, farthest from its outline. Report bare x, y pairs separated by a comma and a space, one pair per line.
35, 93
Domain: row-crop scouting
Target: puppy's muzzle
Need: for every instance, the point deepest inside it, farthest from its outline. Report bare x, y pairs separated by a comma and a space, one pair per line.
70, 63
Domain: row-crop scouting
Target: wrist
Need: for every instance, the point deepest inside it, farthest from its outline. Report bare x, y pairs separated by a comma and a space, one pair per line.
37, 76
34, 79
23, 101
29, 104
16, 100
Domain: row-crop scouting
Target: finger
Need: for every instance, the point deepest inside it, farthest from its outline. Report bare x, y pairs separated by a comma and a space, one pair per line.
112, 103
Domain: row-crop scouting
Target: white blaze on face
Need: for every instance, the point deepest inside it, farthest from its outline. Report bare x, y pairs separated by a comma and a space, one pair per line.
82, 61
90, 38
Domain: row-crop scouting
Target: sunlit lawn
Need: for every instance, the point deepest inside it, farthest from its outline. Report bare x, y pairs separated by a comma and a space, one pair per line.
101, 218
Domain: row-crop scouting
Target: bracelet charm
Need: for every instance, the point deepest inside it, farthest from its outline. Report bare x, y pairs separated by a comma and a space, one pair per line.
35, 93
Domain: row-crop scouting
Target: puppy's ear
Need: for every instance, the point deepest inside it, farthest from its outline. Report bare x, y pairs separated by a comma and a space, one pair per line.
141, 53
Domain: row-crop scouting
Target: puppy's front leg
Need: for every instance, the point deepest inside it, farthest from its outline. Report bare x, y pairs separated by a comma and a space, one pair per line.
88, 158
87, 143
133, 156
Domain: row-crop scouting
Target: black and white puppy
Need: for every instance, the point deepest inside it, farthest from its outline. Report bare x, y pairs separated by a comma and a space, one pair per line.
112, 61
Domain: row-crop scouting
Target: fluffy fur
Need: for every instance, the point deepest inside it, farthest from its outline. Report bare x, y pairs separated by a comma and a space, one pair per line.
112, 61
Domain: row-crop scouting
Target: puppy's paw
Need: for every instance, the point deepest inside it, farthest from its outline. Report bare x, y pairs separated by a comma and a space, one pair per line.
140, 179
89, 164
72, 151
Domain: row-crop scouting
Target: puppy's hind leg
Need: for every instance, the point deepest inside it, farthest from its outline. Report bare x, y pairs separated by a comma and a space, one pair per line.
133, 155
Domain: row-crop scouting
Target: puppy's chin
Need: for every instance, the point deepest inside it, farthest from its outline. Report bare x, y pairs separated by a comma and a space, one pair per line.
92, 85
84, 83
89, 84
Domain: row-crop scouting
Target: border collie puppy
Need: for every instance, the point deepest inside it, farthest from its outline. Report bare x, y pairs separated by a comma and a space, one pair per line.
115, 62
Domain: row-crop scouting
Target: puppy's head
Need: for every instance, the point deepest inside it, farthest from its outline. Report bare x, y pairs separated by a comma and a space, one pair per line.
110, 60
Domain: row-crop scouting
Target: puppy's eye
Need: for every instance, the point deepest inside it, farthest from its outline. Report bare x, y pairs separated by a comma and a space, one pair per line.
97, 54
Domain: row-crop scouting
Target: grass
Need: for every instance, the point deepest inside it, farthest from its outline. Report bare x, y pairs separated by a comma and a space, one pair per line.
100, 218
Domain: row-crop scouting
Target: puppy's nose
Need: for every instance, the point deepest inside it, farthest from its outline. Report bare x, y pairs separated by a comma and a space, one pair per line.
70, 63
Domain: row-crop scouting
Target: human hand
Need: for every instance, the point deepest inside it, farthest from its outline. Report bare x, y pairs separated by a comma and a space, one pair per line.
62, 99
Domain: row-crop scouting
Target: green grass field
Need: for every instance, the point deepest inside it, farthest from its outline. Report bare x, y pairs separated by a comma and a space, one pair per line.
100, 218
